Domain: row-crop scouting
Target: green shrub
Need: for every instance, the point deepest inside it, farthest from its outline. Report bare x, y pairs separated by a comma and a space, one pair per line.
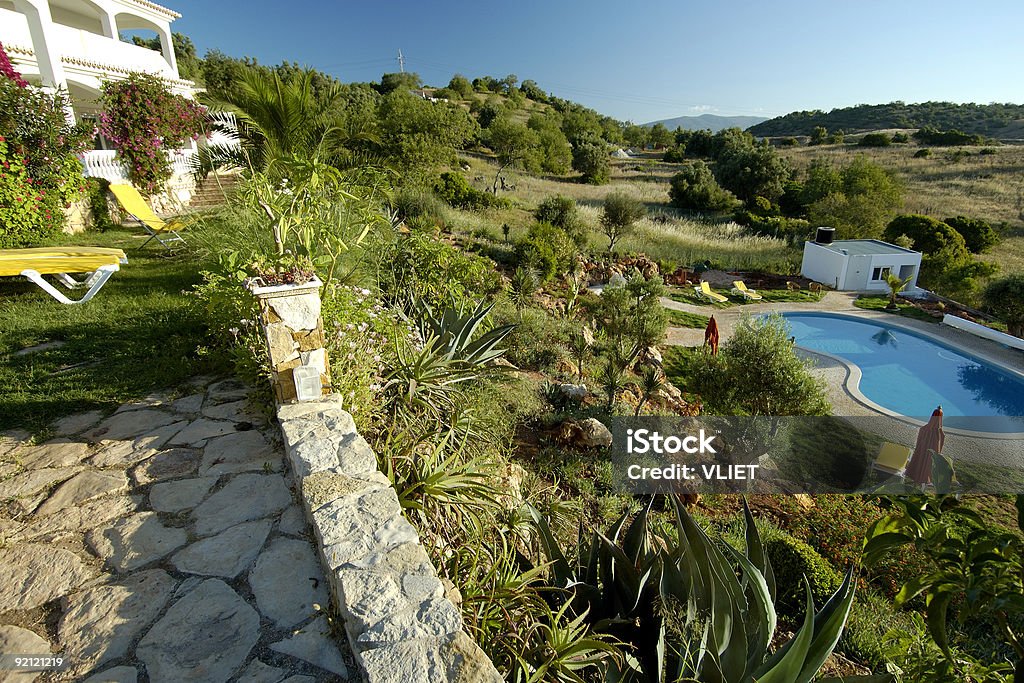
792, 559
900, 138
539, 340
696, 189
977, 233
546, 249
456, 190
561, 212
1005, 298
922, 153
414, 202
928, 234
947, 138
987, 151
39, 171
875, 140
591, 160
675, 155
789, 142
99, 210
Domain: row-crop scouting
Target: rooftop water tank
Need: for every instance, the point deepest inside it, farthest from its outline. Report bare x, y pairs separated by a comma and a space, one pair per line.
825, 235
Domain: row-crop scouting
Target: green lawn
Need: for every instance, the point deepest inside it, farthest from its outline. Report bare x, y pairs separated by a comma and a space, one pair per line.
137, 336
686, 295
684, 319
879, 303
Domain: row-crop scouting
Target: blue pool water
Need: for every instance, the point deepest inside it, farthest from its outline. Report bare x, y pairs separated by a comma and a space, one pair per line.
910, 374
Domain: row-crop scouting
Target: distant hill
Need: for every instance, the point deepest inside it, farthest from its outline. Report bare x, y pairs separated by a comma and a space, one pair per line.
991, 120
712, 121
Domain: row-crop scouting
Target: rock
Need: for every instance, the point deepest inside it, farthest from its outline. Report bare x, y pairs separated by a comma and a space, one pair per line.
226, 391
189, 405
287, 582
14, 640
297, 312
651, 356
135, 541
36, 574
173, 463
159, 437
101, 623
236, 411
239, 452
246, 497
314, 644
200, 430
180, 494
227, 554
132, 423
79, 519
293, 521
53, 454
82, 488
119, 674
588, 433
120, 454
12, 440
204, 636
151, 401
258, 672
804, 500
576, 391
27, 483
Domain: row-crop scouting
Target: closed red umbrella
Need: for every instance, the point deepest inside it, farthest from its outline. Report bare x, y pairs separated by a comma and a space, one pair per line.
930, 439
711, 336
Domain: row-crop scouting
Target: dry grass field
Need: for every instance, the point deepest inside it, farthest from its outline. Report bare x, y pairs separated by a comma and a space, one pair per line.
989, 186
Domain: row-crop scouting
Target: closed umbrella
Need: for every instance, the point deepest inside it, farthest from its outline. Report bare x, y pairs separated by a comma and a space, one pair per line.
930, 439
711, 336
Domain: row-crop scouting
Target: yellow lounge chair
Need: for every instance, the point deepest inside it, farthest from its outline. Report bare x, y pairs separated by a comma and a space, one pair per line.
705, 291
99, 262
892, 459
159, 229
740, 287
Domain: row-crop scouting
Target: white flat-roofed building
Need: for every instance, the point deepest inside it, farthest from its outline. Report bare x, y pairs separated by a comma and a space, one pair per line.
859, 265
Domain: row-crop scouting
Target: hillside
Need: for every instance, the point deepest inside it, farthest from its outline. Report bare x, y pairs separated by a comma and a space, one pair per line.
992, 120
712, 122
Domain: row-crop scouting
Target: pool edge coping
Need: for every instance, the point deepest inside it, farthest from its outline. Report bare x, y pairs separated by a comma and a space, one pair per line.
852, 382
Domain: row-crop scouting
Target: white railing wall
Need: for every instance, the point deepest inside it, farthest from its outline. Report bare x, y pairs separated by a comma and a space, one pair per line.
103, 163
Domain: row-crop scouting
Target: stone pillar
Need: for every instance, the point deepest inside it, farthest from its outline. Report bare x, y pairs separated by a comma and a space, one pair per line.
294, 333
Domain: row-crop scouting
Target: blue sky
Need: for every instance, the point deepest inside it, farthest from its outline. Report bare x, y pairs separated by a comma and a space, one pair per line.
652, 60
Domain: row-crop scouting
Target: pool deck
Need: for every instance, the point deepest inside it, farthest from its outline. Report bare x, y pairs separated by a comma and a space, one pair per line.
999, 451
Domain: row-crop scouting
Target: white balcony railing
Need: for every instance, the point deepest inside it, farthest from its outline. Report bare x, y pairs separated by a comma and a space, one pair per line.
103, 163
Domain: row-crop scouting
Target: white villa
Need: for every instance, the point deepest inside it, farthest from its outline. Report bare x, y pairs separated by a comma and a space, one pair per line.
75, 45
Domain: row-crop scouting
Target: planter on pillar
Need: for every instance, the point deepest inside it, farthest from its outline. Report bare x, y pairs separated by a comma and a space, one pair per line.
294, 333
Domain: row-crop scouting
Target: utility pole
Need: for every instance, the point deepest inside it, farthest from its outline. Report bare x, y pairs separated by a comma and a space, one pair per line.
401, 61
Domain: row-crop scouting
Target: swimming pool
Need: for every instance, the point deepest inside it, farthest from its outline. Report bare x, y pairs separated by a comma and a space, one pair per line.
910, 374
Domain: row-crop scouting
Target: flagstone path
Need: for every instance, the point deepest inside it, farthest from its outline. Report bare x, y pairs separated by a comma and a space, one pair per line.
162, 543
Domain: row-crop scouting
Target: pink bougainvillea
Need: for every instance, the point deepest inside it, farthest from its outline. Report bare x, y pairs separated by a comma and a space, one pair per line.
8, 70
144, 120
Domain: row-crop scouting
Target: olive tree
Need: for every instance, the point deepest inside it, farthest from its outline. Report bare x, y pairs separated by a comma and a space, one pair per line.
1005, 298
620, 213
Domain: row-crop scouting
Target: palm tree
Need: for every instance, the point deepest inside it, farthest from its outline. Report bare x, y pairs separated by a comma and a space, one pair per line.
521, 288
611, 382
278, 119
579, 348
896, 285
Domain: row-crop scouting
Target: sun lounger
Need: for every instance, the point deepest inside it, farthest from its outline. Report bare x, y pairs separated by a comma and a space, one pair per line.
706, 292
892, 459
159, 229
99, 262
740, 287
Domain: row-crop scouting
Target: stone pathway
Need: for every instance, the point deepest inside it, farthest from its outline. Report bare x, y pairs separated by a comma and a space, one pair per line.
162, 543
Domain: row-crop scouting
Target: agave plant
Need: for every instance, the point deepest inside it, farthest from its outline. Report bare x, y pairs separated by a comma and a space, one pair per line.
455, 330
725, 598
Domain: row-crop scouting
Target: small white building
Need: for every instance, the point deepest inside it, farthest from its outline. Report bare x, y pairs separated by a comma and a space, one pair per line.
858, 265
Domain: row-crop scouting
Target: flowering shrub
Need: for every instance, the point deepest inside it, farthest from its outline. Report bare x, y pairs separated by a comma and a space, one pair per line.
144, 119
40, 173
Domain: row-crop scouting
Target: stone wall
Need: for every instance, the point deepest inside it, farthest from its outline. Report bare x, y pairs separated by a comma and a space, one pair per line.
401, 624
